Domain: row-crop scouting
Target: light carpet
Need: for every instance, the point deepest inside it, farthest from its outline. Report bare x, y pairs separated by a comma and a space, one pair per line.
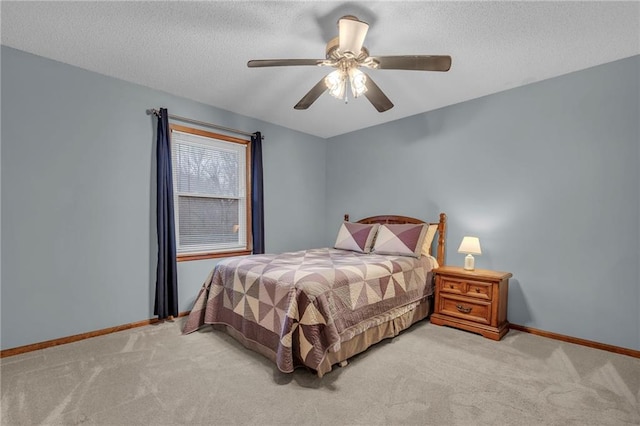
429, 375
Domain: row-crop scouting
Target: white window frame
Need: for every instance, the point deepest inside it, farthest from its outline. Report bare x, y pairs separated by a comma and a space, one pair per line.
202, 138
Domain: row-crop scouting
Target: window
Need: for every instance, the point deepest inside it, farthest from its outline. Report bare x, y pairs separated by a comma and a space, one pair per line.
211, 193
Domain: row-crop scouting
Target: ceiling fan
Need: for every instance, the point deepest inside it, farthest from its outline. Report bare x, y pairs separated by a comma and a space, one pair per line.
347, 54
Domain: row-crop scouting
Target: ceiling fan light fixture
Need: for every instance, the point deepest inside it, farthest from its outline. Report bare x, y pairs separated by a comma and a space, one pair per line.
336, 81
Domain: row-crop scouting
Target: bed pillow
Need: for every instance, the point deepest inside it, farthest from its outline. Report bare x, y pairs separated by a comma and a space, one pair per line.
356, 236
400, 240
428, 239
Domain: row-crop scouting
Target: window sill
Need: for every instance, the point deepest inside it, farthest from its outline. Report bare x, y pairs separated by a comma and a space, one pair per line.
213, 255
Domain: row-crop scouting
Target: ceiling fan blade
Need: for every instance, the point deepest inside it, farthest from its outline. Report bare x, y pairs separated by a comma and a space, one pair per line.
255, 63
378, 99
351, 32
414, 63
311, 95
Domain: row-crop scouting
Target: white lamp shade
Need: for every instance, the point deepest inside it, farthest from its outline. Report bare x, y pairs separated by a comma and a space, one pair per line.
470, 245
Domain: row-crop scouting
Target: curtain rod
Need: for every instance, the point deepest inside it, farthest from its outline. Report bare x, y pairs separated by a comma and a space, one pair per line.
201, 123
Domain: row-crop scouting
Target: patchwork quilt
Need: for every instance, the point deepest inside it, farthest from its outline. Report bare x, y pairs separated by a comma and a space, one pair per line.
298, 304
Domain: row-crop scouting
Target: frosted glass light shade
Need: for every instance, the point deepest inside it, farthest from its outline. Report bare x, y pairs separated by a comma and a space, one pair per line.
336, 82
358, 82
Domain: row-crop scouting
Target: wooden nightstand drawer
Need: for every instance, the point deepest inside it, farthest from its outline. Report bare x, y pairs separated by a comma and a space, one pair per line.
464, 308
480, 290
448, 285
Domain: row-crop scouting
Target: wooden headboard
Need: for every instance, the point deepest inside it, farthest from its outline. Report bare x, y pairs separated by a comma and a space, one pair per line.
442, 228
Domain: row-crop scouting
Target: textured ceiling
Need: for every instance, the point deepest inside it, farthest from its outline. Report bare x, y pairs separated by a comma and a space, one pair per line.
199, 50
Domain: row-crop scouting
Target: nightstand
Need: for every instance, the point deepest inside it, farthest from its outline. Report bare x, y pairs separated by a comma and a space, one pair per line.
475, 300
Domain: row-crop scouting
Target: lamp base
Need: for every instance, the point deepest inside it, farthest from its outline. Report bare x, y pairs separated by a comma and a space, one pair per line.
469, 263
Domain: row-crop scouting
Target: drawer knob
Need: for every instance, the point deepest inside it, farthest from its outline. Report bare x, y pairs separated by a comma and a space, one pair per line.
463, 309
450, 285
477, 290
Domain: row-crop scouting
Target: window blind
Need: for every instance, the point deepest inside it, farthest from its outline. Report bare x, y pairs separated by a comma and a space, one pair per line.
210, 193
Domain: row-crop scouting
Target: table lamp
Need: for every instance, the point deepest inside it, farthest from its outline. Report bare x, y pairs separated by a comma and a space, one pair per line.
470, 246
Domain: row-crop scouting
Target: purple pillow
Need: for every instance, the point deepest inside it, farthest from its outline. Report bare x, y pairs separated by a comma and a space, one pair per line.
356, 237
400, 240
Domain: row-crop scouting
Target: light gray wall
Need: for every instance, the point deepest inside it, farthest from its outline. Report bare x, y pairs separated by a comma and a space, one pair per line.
78, 236
545, 175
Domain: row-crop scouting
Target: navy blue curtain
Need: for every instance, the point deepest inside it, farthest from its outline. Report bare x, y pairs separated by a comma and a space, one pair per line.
166, 304
257, 198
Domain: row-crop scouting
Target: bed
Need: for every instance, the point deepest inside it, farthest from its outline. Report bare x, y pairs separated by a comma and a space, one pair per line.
317, 308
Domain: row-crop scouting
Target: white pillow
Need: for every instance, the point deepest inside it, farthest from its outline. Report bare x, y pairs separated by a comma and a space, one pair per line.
428, 239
